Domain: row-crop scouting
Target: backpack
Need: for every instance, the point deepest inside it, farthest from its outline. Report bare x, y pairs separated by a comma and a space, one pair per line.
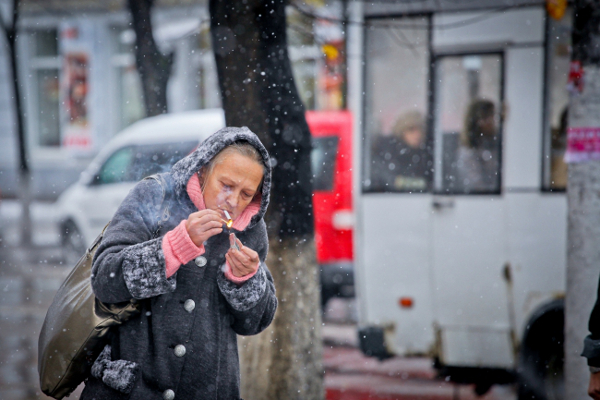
77, 324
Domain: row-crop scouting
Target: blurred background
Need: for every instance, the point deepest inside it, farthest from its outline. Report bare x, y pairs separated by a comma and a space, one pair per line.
439, 135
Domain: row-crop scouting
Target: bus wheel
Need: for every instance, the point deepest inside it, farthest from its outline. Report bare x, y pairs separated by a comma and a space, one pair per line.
541, 372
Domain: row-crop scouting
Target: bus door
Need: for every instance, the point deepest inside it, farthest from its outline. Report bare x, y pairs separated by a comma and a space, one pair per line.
469, 232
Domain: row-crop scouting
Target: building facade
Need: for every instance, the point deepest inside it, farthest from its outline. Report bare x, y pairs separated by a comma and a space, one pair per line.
80, 85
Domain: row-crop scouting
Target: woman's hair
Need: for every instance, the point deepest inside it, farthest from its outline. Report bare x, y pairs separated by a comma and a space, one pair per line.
408, 121
478, 110
243, 148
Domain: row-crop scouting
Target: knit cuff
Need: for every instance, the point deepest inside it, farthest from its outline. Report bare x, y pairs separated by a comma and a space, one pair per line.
119, 375
591, 351
243, 298
238, 279
179, 249
144, 270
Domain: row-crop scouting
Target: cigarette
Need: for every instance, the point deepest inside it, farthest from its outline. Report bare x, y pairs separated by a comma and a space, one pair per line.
229, 219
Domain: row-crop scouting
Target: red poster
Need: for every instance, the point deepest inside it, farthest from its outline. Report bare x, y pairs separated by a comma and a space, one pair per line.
76, 44
76, 133
583, 144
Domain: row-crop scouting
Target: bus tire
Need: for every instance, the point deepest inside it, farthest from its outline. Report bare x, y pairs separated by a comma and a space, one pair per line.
541, 358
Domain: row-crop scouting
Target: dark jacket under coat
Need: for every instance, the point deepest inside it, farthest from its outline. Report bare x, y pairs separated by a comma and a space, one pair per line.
144, 360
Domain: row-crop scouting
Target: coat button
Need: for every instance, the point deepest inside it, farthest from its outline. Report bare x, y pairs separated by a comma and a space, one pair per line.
200, 261
189, 305
168, 394
180, 350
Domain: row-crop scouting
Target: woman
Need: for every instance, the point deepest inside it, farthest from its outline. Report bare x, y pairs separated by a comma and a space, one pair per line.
401, 160
196, 289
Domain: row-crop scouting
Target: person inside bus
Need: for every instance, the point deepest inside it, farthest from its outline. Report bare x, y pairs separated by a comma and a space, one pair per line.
558, 168
401, 160
478, 159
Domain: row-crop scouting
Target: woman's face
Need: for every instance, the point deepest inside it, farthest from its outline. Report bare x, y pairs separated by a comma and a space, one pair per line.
232, 184
487, 125
413, 137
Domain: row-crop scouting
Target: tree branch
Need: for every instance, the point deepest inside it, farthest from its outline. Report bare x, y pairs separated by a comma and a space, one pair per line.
154, 67
3, 26
15, 12
11, 32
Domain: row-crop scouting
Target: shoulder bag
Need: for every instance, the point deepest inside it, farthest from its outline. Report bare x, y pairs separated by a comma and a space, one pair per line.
77, 324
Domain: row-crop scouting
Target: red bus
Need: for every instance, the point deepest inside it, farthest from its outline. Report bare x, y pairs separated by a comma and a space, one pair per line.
331, 160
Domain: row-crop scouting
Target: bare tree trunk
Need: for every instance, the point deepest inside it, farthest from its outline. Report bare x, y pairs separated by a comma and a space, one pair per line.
24, 171
583, 251
258, 90
153, 66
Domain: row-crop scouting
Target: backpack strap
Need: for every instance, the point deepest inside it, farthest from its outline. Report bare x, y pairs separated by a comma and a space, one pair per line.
164, 213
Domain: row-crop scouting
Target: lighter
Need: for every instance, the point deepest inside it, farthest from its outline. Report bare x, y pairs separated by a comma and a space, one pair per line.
233, 244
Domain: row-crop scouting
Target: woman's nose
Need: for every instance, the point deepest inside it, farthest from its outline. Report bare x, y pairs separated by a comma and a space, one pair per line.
232, 200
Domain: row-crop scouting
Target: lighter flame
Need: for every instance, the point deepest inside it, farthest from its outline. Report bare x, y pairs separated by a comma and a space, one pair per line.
229, 220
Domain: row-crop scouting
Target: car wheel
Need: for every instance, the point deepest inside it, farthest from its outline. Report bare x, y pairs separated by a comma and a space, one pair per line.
73, 244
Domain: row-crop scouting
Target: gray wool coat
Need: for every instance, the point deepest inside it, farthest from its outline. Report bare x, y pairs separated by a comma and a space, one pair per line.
183, 344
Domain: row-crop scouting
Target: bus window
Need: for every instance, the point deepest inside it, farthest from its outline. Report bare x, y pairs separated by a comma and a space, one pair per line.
323, 156
555, 130
397, 152
468, 124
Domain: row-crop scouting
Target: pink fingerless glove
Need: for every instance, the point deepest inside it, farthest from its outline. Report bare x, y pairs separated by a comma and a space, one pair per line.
238, 279
179, 249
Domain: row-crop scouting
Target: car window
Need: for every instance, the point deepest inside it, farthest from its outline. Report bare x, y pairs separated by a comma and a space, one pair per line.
133, 163
157, 158
116, 167
323, 156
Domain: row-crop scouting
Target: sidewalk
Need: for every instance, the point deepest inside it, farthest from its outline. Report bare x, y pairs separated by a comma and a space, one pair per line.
29, 278
349, 375
43, 217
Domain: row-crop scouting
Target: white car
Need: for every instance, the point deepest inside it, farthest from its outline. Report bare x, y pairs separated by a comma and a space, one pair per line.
149, 146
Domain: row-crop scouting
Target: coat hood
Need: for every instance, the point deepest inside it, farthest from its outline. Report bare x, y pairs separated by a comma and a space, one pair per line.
183, 170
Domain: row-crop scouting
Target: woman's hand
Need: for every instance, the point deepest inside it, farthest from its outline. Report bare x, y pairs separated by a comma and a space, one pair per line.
243, 261
203, 224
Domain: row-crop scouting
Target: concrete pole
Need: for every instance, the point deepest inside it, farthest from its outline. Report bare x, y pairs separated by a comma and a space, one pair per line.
583, 236
354, 54
8, 26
